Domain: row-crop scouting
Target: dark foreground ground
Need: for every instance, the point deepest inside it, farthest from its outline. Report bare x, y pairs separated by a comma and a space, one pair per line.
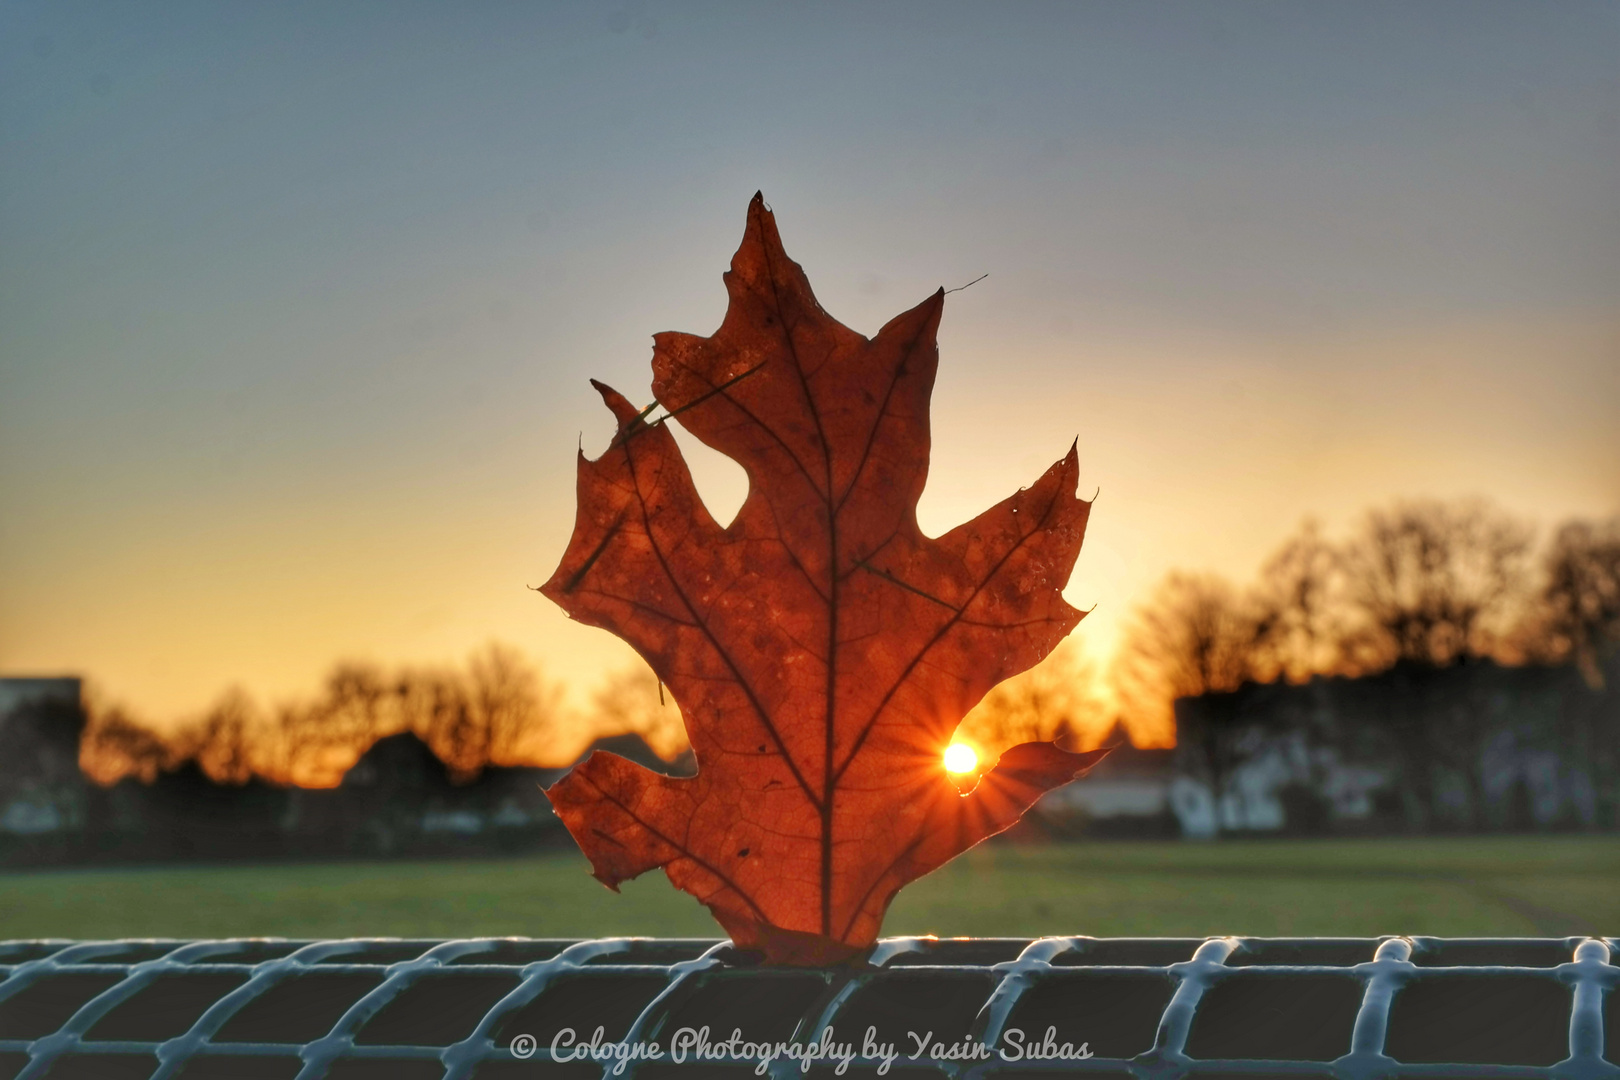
1533, 886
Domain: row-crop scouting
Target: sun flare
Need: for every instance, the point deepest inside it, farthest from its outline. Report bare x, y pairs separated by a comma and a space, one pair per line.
960, 758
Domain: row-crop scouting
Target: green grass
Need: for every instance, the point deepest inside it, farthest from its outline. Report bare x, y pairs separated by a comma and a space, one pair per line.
1449, 887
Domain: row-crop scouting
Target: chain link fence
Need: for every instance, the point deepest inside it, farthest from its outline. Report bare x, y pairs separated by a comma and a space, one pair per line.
1012, 1009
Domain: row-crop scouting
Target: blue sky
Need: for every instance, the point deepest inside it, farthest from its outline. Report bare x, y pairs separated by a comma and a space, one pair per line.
298, 302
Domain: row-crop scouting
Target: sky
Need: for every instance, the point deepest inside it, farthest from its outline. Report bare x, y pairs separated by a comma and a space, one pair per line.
298, 302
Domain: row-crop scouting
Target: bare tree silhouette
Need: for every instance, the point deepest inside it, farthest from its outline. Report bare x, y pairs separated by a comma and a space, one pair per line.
497, 711
1195, 634
1185, 653
515, 704
631, 701
1580, 596
1303, 620
482, 717
227, 744
436, 705
115, 745
1437, 582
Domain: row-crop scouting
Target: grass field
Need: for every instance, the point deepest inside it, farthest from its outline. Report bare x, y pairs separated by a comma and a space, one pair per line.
1458, 887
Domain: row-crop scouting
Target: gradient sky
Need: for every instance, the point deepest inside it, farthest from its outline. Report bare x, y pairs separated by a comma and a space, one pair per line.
298, 302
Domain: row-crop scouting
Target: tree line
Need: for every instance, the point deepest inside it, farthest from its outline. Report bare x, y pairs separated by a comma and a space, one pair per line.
1423, 604
1416, 589
495, 709
1426, 583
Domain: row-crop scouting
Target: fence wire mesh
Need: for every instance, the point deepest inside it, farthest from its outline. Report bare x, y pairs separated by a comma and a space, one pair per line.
499, 1008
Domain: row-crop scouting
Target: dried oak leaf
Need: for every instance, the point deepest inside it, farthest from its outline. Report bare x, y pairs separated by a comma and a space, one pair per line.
821, 648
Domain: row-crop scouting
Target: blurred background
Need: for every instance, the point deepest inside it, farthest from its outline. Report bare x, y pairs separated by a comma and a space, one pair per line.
297, 311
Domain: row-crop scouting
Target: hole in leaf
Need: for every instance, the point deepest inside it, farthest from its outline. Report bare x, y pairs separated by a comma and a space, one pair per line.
721, 483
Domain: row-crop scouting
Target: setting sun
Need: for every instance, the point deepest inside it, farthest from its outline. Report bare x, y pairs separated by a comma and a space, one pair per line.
960, 758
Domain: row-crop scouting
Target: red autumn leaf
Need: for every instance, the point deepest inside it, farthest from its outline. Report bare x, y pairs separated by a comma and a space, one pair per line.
821, 648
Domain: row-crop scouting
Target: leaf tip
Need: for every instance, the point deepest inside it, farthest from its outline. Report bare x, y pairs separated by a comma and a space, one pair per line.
757, 210
1066, 470
623, 411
